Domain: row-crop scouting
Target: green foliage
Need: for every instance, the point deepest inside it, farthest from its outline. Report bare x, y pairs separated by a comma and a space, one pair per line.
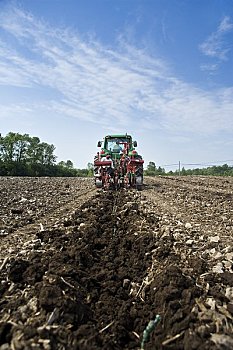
220, 170
68, 164
151, 166
23, 155
82, 172
152, 170
90, 168
13, 147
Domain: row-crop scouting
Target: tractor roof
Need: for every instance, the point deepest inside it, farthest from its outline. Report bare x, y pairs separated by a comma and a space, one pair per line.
118, 136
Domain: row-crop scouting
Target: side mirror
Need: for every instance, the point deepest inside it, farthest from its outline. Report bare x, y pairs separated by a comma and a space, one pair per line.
135, 144
99, 144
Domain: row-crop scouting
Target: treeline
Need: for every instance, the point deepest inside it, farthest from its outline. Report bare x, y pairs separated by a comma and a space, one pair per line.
23, 155
220, 170
215, 170
152, 170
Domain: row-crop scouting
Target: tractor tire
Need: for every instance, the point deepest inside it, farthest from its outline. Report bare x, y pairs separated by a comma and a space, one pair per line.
139, 183
98, 183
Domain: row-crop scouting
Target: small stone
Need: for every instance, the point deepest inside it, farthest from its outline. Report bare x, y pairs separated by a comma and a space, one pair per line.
3, 233
222, 341
189, 242
126, 283
229, 256
227, 264
166, 232
211, 303
218, 255
177, 234
214, 239
218, 268
229, 293
188, 225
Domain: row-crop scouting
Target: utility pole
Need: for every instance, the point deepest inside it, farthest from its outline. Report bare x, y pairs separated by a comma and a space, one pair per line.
179, 167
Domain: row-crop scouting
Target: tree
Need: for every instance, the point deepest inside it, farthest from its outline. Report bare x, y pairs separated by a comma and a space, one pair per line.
69, 164
33, 150
45, 153
25, 155
90, 168
62, 164
151, 167
13, 148
160, 171
20, 147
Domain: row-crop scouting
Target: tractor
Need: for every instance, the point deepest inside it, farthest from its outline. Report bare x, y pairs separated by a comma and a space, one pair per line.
118, 165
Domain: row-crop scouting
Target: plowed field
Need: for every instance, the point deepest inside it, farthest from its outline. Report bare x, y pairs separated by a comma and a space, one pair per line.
86, 269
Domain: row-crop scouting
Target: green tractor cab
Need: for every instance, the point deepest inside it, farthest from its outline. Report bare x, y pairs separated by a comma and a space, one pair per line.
116, 144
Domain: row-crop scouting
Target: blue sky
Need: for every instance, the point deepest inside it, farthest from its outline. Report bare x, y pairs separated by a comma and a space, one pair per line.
72, 71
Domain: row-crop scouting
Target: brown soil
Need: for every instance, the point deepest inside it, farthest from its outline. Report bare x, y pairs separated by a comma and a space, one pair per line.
87, 269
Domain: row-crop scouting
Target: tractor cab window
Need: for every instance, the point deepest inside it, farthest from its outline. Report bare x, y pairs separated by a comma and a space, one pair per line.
116, 145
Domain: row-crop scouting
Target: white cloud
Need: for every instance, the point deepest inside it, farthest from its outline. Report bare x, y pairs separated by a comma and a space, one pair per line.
210, 67
225, 25
121, 87
214, 45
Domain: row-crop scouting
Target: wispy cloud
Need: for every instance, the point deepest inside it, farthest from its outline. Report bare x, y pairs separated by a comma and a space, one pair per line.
12, 110
210, 67
120, 87
215, 45
226, 25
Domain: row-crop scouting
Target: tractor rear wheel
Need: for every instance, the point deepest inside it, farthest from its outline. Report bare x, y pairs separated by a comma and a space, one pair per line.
98, 183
